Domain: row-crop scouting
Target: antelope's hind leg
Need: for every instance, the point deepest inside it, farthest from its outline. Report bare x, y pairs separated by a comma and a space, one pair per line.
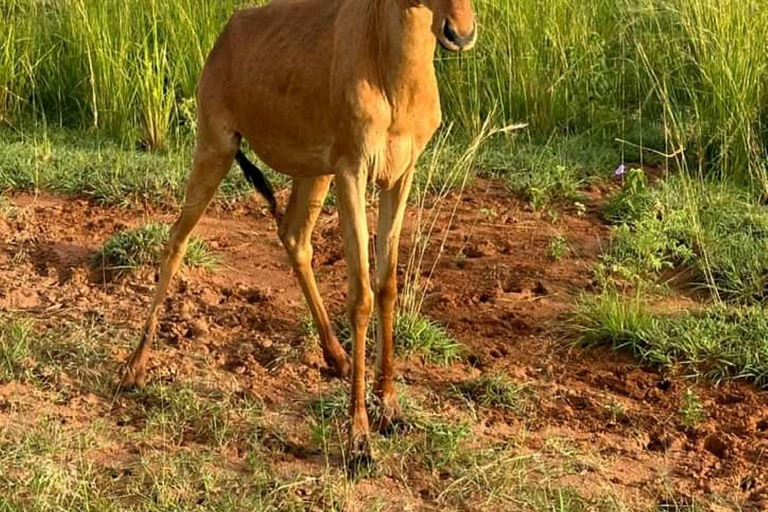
211, 163
304, 206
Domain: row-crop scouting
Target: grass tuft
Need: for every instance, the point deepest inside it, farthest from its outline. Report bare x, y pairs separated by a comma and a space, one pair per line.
717, 343
491, 391
133, 248
417, 334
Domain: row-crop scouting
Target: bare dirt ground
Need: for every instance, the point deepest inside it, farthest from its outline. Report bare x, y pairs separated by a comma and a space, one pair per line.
613, 425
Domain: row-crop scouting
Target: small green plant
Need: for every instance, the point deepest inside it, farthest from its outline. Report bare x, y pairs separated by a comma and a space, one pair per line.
130, 249
633, 200
616, 411
557, 248
491, 391
488, 213
691, 411
7, 208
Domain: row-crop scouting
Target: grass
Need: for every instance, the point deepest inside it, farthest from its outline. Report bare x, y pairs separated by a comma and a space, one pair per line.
15, 348
492, 391
693, 68
72, 163
183, 415
691, 411
714, 230
133, 248
717, 343
54, 357
557, 248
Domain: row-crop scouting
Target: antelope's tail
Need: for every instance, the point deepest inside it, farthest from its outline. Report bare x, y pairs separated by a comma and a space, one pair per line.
258, 180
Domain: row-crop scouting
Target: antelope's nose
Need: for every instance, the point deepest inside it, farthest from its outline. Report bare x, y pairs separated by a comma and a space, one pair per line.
452, 35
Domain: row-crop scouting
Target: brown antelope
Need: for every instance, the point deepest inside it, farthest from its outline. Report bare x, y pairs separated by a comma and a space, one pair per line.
324, 89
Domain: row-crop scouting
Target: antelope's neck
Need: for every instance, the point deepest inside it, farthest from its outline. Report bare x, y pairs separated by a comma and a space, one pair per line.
406, 48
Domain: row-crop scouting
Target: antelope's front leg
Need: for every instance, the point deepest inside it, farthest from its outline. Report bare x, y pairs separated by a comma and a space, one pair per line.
351, 182
392, 204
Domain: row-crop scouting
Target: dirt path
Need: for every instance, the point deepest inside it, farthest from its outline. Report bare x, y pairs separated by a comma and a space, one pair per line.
495, 289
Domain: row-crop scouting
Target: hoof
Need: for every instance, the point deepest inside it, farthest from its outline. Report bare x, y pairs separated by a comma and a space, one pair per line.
341, 365
393, 424
360, 459
132, 379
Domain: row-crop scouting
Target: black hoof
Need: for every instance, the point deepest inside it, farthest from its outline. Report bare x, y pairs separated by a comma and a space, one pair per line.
360, 460
394, 425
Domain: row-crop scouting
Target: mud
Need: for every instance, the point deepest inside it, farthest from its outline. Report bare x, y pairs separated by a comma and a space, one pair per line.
495, 288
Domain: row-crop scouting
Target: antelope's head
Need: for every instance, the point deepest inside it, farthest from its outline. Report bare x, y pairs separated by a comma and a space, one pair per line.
454, 24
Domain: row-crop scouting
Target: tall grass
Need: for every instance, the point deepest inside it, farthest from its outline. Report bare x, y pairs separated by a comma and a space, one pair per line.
119, 66
697, 68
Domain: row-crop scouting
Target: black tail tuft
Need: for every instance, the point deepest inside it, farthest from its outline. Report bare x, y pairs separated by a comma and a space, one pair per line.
258, 180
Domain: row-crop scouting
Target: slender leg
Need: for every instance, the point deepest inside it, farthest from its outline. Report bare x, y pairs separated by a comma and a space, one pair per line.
351, 196
210, 166
392, 204
307, 195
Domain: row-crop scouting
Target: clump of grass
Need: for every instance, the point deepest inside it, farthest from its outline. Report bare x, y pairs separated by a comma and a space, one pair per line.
416, 334
330, 405
717, 343
443, 443
7, 208
549, 171
631, 202
491, 391
33, 353
133, 248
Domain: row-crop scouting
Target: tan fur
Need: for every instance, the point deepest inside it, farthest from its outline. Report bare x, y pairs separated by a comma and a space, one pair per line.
324, 89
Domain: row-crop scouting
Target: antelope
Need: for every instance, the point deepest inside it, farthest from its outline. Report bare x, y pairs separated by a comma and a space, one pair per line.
323, 90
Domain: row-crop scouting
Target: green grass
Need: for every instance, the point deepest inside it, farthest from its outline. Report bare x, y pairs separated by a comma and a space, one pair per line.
73, 163
418, 335
15, 348
550, 170
717, 343
694, 68
691, 411
557, 248
70, 354
494, 391
133, 248
180, 415
415, 334
715, 230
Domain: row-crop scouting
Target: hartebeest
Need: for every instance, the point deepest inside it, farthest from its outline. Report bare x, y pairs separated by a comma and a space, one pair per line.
324, 89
